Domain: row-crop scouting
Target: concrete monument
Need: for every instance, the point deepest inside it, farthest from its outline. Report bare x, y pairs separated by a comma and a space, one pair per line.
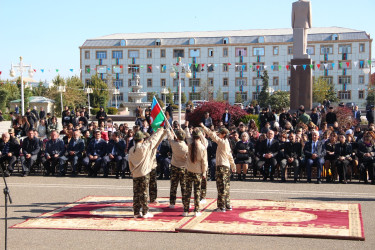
301, 79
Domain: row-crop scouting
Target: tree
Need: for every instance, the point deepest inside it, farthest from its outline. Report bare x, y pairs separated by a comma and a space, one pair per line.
264, 94
371, 97
323, 90
238, 98
206, 91
219, 95
373, 79
279, 100
100, 95
14, 92
169, 97
40, 90
3, 99
183, 97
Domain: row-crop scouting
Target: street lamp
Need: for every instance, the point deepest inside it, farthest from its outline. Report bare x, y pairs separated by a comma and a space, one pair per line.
176, 71
20, 68
165, 92
61, 89
88, 91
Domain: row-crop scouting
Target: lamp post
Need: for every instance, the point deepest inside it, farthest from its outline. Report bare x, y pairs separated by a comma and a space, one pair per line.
165, 92
176, 71
21, 67
88, 91
61, 89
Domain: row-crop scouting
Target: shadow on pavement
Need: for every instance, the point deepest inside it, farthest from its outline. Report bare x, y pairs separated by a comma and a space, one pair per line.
356, 199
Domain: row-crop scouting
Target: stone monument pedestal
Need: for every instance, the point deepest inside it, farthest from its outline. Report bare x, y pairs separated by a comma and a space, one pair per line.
301, 85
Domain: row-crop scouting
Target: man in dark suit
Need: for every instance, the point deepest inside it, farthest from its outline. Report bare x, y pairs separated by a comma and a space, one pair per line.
207, 120
268, 152
30, 150
357, 114
94, 154
55, 149
292, 157
314, 153
101, 116
115, 153
42, 113
75, 150
9, 149
226, 118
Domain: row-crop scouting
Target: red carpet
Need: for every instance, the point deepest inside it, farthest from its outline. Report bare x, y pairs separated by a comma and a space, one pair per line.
283, 218
249, 217
109, 213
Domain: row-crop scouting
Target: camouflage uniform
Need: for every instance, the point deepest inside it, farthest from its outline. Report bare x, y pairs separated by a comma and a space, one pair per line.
204, 188
223, 186
177, 176
140, 197
191, 178
153, 188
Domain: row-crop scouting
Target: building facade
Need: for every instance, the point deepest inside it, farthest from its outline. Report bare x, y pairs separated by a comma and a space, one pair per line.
230, 62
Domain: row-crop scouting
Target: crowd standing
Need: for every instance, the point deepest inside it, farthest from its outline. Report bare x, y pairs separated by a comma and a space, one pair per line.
309, 145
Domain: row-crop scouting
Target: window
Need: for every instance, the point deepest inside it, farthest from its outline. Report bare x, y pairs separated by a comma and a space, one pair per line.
101, 69
225, 67
275, 81
258, 51
163, 68
149, 83
122, 43
120, 97
347, 49
101, 54
225, 52
133, 53
149, 68
290, 50
175, 82
157, 42
258, 66
175, 97
243, 96
362, 47
361, 80
117, 69
194, 96
275, 50
118, 83
335, 37
194, 52
87, 69
117, 54
241, 51
178, 53
210, 82
133, 68
191, 41
150, 96
162, 82
345, 65
241, 81
226, 40
210, 67
261, 39
87, 54
344, 95
255, 95
226, 96
225, 82
344, 79
328, 79
361, 94
289, 80
88, 81
196, 82
149, 53
210, 52
275, 66
257, 81
162, 53
241, 67
326, 49
310, 50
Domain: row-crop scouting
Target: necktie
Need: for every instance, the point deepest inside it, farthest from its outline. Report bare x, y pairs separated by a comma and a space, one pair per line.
269, 143
315, 147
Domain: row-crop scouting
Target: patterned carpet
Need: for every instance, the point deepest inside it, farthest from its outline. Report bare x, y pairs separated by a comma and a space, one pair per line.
249, 217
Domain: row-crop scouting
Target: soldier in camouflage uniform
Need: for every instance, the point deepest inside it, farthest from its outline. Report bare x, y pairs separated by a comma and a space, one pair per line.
196, 180
140, 164
204, 190
225, 162
178, 162
153, 188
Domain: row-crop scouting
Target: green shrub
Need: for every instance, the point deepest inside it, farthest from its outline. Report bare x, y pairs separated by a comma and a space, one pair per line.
112, 111
175, 107
246, 119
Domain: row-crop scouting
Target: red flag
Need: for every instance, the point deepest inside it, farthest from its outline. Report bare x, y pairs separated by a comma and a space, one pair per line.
0, 72
202, 65
121, 66
258, 66
34, 70
347, 64
318, 65
229, 64
287, 67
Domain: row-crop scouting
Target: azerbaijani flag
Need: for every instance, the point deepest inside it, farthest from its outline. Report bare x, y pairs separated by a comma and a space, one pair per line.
157, 115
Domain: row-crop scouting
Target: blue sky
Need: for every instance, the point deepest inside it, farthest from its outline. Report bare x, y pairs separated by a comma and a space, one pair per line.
48, 33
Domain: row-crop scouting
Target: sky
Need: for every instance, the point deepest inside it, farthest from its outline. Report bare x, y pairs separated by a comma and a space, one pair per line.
47, 34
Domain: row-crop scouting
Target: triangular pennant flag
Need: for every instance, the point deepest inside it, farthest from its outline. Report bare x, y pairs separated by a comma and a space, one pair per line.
243, 67
295, 67
347, 64
229, 64
71, 70
108, 68
189, 64
57, 70
88, 70
326, 65
361, 63
34, 70
355, 63
369, 62
196, 65
304, 67
1, 72
340, 65
202, 65
272, 67
280, 67
157, 67
215, 65
121, 66
42, 70
311, 66
333, 65
258, 66
250, 66
265, 66
287, 67
318, 65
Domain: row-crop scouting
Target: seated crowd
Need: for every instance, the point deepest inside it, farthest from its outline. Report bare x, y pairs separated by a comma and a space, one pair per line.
284, 146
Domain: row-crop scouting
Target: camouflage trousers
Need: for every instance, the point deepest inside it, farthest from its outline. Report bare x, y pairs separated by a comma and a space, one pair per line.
190, 179
223, 186
177, 176
140, 197
204, 188
153, 188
